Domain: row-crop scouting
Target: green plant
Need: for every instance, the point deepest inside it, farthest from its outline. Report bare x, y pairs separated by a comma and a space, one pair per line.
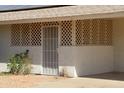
20, 63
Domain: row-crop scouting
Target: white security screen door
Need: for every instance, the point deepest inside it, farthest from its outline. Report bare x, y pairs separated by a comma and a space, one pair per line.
50, 54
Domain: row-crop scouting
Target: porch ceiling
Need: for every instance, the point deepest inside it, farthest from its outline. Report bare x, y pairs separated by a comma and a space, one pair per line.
62, 13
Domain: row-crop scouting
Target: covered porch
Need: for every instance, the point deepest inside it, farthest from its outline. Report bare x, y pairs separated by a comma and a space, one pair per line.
89, 43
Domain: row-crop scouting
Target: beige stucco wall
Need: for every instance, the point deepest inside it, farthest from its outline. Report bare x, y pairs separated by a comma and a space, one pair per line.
118, 43
6, 51
35, 53
93, 60
67, 61
86, 60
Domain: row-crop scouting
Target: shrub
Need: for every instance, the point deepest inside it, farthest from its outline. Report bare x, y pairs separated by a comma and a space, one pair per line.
20, 63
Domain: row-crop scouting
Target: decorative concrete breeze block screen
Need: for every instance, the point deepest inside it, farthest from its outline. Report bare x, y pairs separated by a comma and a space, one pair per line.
36, 34
66, 33
93, 32
26, 34
78, 33
15, 35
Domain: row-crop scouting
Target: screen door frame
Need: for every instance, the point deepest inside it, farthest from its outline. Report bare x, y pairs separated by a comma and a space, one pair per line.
58, 29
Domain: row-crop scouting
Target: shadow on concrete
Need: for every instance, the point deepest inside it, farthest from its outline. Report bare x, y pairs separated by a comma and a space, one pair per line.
108, 76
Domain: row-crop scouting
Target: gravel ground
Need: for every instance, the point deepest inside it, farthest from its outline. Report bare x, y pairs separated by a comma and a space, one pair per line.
25, 81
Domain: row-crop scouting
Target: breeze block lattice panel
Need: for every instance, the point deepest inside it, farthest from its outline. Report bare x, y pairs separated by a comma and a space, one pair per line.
78, 33
25, 34
36, 34
108, 32
86, 32
56, 23
93, 32
15, 35
66, 33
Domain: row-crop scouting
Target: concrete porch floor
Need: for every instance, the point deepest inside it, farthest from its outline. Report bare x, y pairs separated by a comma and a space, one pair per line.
106, 80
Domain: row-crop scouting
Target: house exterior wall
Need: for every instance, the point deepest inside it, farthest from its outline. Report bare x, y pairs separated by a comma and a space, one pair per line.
118, 42
85, 60
35, 53
67, 61
7, 51
93, 60
74, 60
90, 57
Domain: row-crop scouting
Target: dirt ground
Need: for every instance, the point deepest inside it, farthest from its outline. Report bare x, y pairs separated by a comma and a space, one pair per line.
25, 81
107, 80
